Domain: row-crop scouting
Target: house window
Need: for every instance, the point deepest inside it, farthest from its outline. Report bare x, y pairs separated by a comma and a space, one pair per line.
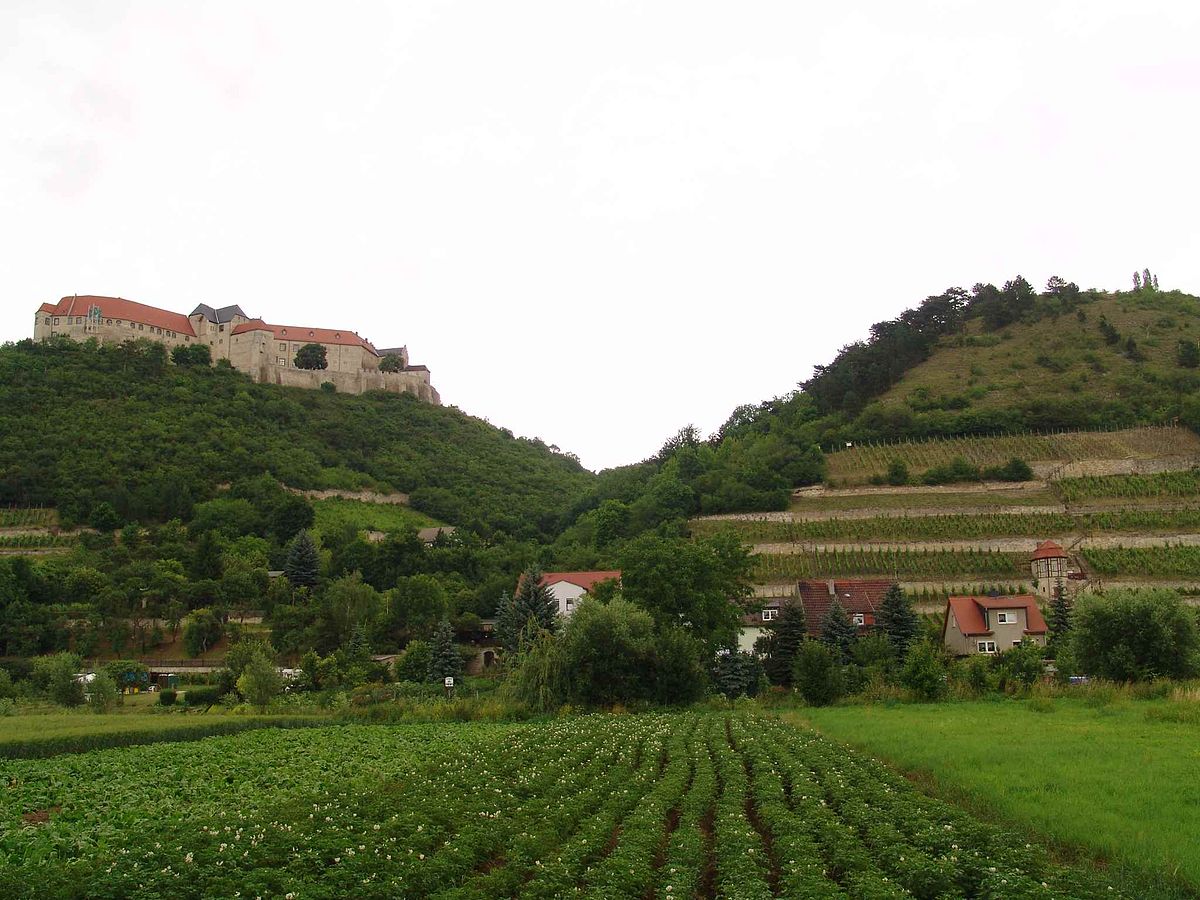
1016, 643
987, 646
860, 619
570, 605
1006, 618
770, 614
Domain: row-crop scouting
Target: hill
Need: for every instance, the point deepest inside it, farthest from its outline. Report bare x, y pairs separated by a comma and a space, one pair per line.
83, 426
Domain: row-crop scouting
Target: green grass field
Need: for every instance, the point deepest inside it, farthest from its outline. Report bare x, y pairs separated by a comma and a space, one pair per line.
335, 514
1112, 779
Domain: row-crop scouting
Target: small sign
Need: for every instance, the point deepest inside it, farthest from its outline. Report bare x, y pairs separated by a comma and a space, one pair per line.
449, 681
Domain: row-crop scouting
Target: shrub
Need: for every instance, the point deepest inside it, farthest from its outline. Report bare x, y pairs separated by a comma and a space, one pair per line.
1135, 635
1020, 667
413, 664
925, 672
816, 674
55, 675
1014, 470
897, 473
167, 697
329, 387
204, 696
260, 682
102, 693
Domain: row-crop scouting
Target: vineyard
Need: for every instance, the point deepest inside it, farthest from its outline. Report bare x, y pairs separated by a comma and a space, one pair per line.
683, 805
27, 517
43, 541
1131, 487
1175, 561
908, 564
856, 465
956, 527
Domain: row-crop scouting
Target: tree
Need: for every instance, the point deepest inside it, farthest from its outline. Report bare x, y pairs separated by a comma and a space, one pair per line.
393, 362
737, 674
348, 604
303, 561
816, 674
1135, 635
692, 584
897, 473
1060, 618
201, 630
311, 356
104, 518
838, 631
790, 631
897, 620
532, 609
414, 662
260, 681
55, 677
444, 659
102, 693
1137, 280
925, 672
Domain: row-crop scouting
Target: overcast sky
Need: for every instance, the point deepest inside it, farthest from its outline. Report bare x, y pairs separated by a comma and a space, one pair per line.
594, 221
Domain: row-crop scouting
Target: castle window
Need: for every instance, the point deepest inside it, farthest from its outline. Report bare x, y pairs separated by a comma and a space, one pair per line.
220, 328
141, 327
56, 321
47, 320
108, 322
280, 361
79, 320
283, 347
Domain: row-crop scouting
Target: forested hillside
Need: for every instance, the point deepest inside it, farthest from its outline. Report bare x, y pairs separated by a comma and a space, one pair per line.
84, 426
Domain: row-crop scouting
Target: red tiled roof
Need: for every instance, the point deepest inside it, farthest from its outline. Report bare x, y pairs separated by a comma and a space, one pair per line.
863, 596
47, 308
585, 580
1049, 550
126, 310
306, 335
968, 613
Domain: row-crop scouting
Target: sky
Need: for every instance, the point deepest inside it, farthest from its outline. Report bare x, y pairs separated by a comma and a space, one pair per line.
595, 222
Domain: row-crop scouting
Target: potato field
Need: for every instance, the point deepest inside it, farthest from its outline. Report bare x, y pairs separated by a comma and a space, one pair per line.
669, 805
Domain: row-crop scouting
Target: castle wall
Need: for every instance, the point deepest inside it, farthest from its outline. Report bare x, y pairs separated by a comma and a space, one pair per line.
356, 382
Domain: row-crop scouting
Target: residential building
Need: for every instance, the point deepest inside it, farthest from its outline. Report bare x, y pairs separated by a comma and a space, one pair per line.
992, 624
569, 588
860, 599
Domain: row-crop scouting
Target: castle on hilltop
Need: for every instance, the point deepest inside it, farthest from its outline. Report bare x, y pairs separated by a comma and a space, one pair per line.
266, 353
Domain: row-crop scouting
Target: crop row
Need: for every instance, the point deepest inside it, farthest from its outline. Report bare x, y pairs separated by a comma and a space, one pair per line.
956, 526
26, 517
1162, 484
1174, 561
667, 805
891, 562
43, 541
857, 463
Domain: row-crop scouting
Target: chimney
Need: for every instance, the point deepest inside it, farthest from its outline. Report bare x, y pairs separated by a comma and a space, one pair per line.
832, 589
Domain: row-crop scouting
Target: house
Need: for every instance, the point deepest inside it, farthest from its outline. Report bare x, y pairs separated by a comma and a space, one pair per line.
430, 535
991, 624
859, 598
568, 588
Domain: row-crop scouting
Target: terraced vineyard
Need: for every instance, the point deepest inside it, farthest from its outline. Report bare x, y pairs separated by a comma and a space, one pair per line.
920, 565
27, 517
957, 527
36, 541
857, 464
680, 805
1131, 487
1170, 561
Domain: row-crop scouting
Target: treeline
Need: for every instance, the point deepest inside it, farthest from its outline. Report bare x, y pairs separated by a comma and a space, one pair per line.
95, 430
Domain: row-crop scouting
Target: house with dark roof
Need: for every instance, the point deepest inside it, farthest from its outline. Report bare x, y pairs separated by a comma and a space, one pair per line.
992, 624
265, 352
860, 598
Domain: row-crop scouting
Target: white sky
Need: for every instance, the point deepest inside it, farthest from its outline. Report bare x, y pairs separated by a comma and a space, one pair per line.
595, 222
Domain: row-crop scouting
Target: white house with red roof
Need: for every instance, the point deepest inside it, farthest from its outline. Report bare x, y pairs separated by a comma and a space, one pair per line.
265, 352
569, 588
992, 624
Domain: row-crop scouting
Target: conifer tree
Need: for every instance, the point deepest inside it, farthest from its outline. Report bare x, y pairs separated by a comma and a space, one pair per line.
786, 637
1060, 616
302, 561
1147, 279
533, 608
838, 631
898, 620
444, 661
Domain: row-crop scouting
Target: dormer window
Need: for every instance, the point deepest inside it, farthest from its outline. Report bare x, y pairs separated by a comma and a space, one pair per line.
1006, 618
860, 619
769, 615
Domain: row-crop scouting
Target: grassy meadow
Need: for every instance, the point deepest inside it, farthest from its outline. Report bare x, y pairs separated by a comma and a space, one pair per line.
1117, 779
335, 514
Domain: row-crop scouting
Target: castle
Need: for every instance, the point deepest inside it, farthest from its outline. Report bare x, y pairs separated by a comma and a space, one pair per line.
266, 353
